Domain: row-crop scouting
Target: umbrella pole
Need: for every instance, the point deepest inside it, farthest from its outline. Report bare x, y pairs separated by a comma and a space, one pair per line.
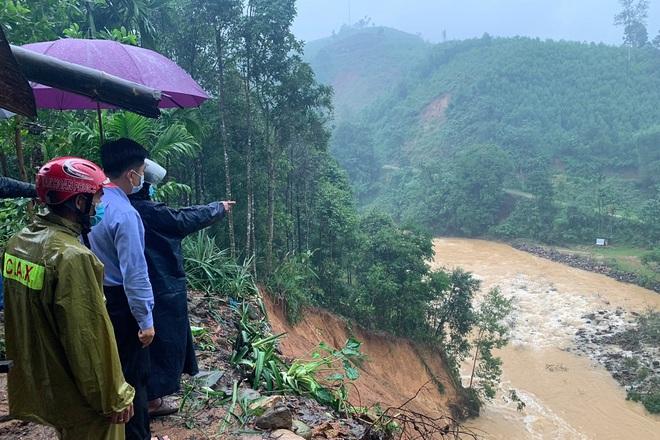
98, 112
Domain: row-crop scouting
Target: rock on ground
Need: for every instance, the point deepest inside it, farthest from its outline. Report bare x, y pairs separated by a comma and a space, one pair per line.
278, 417
284, 434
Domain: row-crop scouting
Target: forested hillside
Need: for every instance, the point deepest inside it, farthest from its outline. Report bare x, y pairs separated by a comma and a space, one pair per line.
263, 141
515, 137
361, 63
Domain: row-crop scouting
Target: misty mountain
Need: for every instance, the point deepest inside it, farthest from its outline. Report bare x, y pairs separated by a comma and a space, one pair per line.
585, 116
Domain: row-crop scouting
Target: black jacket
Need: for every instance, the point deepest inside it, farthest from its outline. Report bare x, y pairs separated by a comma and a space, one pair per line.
164, 229
10, 188
172, 352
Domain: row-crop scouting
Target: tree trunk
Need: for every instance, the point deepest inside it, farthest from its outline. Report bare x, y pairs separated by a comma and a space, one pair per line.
18, 142
220, 53
254, 241
198, 181
308, 220
298, 224
476, 356
271, 210
270, 158
3, 163
90, 18
290, 234
291, 193
250, 245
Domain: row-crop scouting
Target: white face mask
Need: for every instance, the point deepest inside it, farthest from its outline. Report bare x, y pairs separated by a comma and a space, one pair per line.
137, 189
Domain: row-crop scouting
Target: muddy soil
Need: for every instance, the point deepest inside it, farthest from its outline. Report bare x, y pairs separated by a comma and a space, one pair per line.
395, 369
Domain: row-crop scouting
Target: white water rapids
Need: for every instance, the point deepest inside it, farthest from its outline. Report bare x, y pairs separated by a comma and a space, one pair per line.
567, 396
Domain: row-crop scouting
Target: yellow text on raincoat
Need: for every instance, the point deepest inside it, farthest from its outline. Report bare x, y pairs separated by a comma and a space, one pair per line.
66, 366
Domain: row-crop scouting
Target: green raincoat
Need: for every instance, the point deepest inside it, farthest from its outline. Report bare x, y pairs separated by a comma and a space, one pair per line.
66, 369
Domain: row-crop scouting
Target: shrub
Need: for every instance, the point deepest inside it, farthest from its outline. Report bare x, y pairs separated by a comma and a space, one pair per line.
293, 282
652, 258
325, 378
211, 270
13, 216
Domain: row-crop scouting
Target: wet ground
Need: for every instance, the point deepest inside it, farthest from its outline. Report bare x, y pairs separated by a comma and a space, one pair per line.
204, 415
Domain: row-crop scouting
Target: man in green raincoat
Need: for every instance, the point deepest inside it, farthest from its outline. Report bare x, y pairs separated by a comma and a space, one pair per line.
66, 369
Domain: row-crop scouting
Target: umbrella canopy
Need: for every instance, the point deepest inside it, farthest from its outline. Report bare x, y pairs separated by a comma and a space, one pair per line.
5, 114
131, 63
85, 81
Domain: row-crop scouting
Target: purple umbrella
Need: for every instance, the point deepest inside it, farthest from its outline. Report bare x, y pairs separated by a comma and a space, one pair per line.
132, 63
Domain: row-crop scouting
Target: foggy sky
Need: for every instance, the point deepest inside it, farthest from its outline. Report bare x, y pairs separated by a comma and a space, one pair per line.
579, 20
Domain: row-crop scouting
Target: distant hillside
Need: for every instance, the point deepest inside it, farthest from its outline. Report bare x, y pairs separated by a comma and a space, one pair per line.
560, 99
363, 64
573, 130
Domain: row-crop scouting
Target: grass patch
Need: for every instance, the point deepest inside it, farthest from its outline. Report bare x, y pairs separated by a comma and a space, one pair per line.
622, 258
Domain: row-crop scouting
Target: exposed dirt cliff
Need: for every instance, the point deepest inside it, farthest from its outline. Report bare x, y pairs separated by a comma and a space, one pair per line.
395, 368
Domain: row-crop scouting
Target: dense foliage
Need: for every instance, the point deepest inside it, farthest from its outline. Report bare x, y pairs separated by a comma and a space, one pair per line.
261, 140
570, 129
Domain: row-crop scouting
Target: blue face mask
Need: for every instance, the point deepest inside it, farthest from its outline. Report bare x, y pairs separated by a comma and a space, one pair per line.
152, 191
96, 218
136, 189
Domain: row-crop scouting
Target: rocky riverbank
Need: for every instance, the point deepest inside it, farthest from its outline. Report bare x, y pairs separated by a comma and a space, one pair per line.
587, 263
627, 345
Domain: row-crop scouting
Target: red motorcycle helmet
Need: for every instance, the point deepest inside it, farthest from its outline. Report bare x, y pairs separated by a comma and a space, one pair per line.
65, 177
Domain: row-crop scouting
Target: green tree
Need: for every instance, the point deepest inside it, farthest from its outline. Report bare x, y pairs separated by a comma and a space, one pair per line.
334, 234
656, 41
353, 145
633, 19
648, 155
32, 21
649, 217
476, 188
492, 333
391, 270
138, 16
452, 314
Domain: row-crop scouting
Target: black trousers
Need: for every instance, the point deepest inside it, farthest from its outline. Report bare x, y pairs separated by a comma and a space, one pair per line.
135, 361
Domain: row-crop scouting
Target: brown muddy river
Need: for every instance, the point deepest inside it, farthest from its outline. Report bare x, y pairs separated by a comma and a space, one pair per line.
567, 396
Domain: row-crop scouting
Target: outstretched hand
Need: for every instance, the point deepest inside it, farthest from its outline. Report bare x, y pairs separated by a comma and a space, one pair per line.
228, 204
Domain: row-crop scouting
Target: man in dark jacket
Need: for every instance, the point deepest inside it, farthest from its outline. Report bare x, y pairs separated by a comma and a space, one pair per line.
172, 352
